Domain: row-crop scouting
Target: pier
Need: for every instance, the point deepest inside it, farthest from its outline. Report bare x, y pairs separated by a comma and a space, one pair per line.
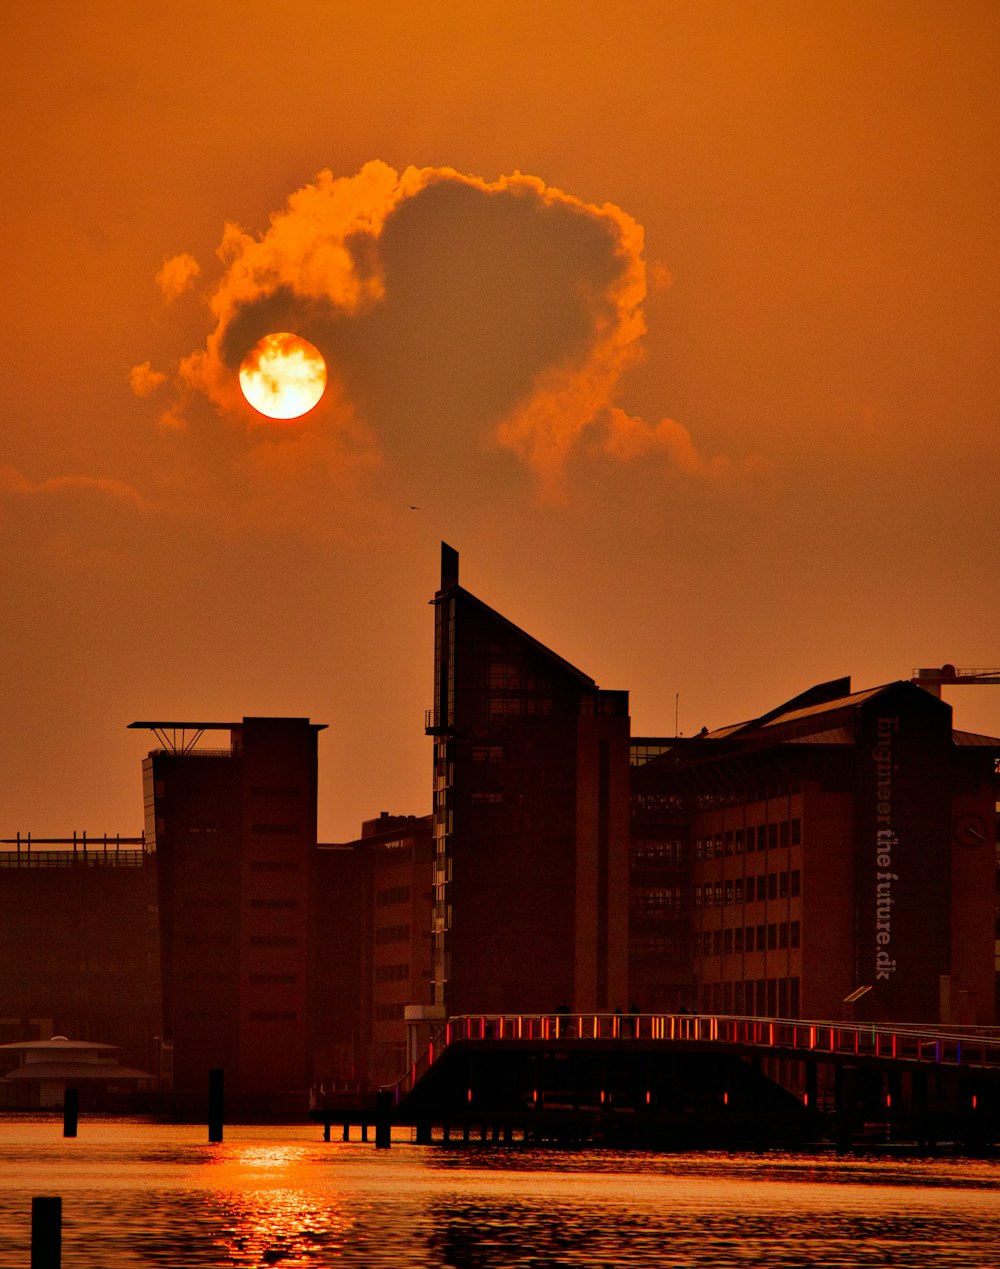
693, 1081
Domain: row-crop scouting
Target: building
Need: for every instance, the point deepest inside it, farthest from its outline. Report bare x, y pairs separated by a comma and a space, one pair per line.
234, 831
530, 819
375, 961
842, 858
79, 945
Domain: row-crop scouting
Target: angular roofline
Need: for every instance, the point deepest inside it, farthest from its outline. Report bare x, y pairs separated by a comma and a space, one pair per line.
450, 587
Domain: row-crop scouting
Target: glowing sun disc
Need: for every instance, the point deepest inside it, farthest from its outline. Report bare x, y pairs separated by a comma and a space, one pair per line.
283, 376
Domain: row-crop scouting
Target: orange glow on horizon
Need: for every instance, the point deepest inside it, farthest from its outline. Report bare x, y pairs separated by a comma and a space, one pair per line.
283, 376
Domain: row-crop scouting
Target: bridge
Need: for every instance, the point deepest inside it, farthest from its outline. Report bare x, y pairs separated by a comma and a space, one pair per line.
685, 1080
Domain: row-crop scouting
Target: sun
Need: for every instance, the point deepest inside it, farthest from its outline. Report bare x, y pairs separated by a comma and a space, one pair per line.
283, 376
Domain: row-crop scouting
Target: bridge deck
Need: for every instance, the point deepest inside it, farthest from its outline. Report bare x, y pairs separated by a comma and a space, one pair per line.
903, 1046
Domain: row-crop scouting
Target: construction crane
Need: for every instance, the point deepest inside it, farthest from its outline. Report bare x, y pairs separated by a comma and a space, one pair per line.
932, 679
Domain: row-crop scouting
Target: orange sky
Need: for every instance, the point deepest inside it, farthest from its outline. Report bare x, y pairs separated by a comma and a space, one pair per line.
706, 399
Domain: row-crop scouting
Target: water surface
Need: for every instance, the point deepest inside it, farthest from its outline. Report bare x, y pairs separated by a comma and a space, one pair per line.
141, 1194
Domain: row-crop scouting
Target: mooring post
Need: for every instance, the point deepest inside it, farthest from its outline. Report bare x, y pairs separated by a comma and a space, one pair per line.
364, 1130
326, 1129
216, 1095
383, 1121
46, 1232
347, 1130
71, 1111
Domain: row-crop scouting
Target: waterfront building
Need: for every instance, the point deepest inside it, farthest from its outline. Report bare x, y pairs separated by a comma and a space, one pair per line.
375, 950
234, 831
46, 1068
530, 819
79, 944
842, 858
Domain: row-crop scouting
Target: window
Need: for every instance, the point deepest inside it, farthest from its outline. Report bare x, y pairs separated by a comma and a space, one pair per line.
392, 934
783, 832
761, 888
727, 942
783, 935
760, 937
772, 886
772, 837
275, 905
749, 938
738, 890
794, 934
738, 940
392, 895
716, 942
729, 894
729, 841
796, 883
392, 973
796, 832
772, 937
738, 841
783, 885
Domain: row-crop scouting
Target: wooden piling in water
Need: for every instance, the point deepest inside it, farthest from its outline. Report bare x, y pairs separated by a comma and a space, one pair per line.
216, 1097
71, 1111
383, 1121
46, 1232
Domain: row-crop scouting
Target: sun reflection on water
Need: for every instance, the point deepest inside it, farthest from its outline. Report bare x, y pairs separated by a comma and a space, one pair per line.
268, 1207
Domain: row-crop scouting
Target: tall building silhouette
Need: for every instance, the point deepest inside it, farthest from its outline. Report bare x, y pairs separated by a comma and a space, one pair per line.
530, 819
234, 831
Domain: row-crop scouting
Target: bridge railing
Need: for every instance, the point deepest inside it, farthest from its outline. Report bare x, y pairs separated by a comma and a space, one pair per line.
774, 1036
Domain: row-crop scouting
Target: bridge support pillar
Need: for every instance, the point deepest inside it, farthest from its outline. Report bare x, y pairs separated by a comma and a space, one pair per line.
423, 1132
812, 1084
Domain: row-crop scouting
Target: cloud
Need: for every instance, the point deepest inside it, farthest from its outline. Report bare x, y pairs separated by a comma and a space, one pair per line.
143, 380
177, 275
468, 326
628, 438
13, 482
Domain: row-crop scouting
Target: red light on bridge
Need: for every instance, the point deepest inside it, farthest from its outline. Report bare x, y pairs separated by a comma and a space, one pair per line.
469, 1098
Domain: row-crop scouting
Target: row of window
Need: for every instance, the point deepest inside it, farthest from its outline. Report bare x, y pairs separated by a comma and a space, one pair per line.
388, 1013
392, 934
744, 841
393, 973
761, 998
650, 853
656, 947
652, 901
777, 936
391, 895
774, 885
